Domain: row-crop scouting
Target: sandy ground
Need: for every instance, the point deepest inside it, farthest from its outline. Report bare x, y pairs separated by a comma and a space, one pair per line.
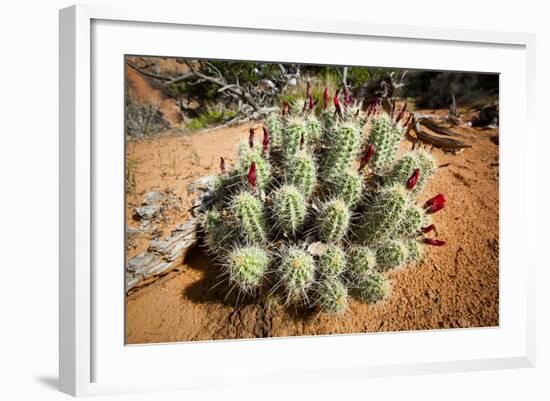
455, 286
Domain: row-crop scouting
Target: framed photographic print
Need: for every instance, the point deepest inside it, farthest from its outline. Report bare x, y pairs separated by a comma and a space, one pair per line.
236, 192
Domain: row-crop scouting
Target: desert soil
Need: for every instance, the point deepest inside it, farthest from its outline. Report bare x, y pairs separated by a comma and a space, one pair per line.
455, 286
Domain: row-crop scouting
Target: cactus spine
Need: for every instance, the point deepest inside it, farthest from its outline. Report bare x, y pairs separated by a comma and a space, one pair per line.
383, 215
385, 136
374, 288
333, 262
275, 126
293, 135
362, 262
333, 220
297, 273
332, 296
290, 209
247, 266
263, 168
302, 173
340, 156
391, 254
249, 215
349, 188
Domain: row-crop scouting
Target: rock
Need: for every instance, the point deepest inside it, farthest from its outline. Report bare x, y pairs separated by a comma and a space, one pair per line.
148, 212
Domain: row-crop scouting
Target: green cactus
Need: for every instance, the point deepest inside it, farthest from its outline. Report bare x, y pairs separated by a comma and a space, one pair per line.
344, 144
217, 233
391, 254
385, 136
275, 125
413, 219
349, 188
373, 288
383, 215
314, 129
297, 270
333, 220
247, 266
303, 173
333, 262
332, 296
404, 168
292, 136
263, 168
414, 250
428, 166
249, 215
289, 208
362, 262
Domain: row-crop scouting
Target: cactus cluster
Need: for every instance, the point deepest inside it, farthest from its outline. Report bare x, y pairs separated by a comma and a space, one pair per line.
323, 207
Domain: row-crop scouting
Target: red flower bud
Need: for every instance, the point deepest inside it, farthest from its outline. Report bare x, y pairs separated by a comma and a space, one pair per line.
366, 157
413, 179
434, 242
222, 165
251, 138
435, 204
325, 98
308, 90
252, 175
265, 142
336, 101
311, 102
429, 228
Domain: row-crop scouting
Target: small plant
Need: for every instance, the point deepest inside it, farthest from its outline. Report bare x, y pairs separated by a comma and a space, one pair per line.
326, 186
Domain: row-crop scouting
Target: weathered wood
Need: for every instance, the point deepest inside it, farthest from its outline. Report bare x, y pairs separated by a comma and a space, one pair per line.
164, 255
431, 124
443, 142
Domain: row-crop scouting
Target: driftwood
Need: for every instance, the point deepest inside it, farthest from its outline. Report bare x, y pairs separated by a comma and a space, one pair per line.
440, 141
431, 124
164, 255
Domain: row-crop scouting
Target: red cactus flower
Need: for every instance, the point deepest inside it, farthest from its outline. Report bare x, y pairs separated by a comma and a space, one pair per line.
401, 113
434, 242
308, 90
435, 204
366, 157
325, 98
336, 101
222, 165
251, 138
429, 228
265, 142
252, 175
413, 179
311, 102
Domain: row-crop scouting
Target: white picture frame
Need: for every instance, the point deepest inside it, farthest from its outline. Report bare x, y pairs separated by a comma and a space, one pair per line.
93, 357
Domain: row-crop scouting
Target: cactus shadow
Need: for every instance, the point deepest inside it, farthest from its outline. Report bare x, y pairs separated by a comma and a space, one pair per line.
213, 286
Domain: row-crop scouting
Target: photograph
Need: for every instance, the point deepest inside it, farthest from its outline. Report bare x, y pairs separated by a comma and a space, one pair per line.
276, 199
